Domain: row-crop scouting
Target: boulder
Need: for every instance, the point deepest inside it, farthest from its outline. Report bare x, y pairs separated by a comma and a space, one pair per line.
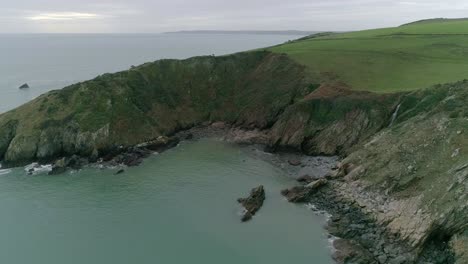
119, 172
189, 136
252, 203
61, 165
316, 184
133, 157
306, 179
24, 86
294, 162
160, 144
348, 251
76, 162
300, 194
219, 125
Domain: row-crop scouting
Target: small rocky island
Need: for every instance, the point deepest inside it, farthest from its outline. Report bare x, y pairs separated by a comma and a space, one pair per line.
24, 86
253, 203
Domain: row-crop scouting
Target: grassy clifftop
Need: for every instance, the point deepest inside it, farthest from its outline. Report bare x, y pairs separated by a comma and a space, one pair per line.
404, 58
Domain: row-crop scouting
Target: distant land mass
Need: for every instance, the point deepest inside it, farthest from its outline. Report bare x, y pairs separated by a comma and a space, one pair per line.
251, 32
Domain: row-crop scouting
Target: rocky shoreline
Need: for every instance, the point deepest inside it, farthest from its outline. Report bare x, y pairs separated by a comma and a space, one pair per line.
357, 235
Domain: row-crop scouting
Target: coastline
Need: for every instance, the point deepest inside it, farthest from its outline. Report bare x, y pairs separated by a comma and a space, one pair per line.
355, 235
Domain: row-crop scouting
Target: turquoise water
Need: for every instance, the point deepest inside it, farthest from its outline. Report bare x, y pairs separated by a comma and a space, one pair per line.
52, 61
178, 207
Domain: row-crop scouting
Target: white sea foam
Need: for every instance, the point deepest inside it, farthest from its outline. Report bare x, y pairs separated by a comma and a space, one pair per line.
36, 168
6, 171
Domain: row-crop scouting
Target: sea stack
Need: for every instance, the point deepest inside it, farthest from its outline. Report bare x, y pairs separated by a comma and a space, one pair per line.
252, 203
24, 86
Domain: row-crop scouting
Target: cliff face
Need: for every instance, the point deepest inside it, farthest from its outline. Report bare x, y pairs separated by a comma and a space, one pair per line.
332, 120
125, 108
420, 164
249, 90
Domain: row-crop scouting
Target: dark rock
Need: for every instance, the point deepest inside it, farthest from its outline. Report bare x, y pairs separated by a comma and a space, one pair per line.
189, 136
112, 153
24, 86
219, 125
348, 251
132, 157
59, 167
294, 162
246, 216
119, 172
161, 144
269, 148
382, 258
300, 194
206, 123
398, 260
56, 170
252, 203
317, 184
335, 219
75, 162
306, 179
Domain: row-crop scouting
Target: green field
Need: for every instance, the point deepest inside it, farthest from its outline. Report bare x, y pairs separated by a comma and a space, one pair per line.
408, 57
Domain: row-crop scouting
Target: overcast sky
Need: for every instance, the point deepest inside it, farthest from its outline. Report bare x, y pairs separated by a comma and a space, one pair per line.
152, 16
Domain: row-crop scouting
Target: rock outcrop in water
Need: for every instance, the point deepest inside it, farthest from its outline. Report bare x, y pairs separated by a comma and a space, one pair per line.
253, 203
24, 86
301, 194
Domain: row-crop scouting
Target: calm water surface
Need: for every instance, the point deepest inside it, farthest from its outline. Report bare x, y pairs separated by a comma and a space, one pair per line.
52, 61
178, 207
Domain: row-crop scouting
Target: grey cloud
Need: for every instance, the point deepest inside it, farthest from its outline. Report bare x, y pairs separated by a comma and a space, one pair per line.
162, 15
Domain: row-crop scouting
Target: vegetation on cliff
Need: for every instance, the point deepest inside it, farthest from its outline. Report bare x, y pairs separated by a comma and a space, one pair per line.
154, 99
408, 147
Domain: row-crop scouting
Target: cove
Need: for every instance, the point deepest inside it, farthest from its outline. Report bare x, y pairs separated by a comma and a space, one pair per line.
177, 207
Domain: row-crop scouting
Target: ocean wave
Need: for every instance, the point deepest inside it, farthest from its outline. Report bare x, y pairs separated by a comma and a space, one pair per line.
36, 168
5, 171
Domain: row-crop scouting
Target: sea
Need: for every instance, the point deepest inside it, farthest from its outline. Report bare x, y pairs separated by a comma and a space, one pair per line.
177, 207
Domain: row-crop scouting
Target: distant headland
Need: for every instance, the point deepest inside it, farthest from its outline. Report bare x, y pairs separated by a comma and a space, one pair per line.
243, 32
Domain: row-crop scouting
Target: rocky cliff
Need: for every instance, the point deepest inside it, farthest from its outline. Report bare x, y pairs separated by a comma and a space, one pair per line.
249, 90
126, 108
420, 166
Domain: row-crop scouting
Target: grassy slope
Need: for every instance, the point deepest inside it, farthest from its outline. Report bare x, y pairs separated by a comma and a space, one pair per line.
403, 58
247, 89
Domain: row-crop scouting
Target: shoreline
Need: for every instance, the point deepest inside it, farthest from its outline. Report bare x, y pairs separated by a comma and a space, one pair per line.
355, 236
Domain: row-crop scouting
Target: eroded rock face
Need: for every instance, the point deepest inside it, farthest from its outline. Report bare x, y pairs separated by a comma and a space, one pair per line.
351, 252
245, 136
300, 194
7, 133
408, 177
459, 244
306, 179
253, 203
331, 125
248, 90
62, 165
